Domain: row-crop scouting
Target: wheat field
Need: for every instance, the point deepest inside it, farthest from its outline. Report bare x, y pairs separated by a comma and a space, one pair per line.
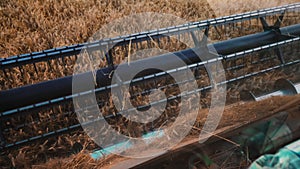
30, 25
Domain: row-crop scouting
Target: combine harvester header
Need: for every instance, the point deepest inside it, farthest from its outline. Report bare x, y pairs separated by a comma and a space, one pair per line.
247, 45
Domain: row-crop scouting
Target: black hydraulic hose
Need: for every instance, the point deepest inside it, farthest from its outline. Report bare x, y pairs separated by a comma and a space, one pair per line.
36, 93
